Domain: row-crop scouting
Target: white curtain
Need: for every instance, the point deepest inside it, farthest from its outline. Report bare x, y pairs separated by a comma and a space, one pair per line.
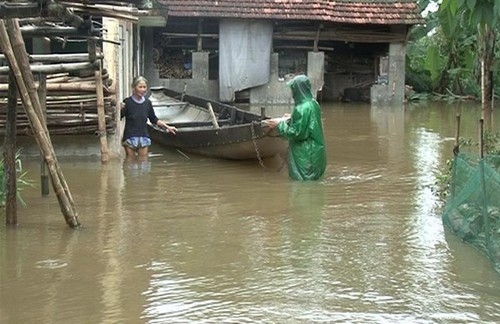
244, 55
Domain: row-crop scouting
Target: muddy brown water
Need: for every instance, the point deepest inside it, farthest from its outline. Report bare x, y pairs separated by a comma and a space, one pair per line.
198, 240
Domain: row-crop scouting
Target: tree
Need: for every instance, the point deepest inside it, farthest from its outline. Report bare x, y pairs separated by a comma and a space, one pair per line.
483, 15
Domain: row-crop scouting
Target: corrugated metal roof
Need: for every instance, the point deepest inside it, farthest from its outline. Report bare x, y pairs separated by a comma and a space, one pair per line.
388, 12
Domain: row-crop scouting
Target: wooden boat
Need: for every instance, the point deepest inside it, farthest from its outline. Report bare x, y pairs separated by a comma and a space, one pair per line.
212, 128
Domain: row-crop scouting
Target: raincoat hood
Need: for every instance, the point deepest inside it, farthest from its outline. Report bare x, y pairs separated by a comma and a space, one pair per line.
301, 88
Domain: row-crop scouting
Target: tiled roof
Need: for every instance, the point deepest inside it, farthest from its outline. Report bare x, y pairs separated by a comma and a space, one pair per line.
388, 12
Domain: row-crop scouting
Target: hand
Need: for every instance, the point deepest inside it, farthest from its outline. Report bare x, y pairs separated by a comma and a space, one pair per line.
287, 115
272, 123
171, 129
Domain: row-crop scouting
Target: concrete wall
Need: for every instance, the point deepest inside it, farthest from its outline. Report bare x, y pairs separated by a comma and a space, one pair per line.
65, 146
198, 85
275, 92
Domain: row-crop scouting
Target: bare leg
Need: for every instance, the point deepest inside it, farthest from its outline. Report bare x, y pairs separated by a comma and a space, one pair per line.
143, 153
130, 152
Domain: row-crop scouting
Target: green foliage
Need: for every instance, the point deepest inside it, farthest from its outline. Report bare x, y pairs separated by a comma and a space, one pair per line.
434, 63
416, 74
491, 143
443, 55
22, 181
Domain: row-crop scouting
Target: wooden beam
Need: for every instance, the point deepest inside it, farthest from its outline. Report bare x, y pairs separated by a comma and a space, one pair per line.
62, 31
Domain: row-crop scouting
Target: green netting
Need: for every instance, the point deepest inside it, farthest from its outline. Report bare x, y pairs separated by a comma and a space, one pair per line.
473, 209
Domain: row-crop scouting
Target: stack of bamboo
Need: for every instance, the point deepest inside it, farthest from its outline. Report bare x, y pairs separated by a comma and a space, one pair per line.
71, 105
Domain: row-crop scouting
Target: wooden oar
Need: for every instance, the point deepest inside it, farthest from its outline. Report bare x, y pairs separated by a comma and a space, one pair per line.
212, 114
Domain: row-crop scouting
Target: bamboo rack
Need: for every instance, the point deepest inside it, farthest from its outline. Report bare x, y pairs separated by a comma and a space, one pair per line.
71, 105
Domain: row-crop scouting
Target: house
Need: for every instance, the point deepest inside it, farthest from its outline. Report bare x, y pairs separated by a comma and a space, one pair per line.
244, 51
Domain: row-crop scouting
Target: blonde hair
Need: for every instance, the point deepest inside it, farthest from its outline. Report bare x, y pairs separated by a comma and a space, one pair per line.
139, 79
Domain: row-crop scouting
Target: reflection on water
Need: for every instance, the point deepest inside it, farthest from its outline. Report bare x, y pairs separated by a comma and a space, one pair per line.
198, 240
137, 168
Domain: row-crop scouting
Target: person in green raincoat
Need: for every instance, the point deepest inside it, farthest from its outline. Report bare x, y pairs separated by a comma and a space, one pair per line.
304, 132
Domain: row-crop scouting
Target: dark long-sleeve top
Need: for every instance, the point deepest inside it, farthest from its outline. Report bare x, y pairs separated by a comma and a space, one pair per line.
136, 116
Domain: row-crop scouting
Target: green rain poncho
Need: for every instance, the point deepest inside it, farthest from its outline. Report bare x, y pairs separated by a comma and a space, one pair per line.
304, 131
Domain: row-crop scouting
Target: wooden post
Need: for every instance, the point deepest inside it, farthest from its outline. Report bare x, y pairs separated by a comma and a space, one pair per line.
13, 47
92, 49
316, 39
101, 115
41, 46
42, 96
199, 39
184, 91
456, 147
481, 138
262, 112
9, 156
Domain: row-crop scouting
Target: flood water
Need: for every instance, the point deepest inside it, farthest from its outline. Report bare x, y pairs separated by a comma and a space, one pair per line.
186, 239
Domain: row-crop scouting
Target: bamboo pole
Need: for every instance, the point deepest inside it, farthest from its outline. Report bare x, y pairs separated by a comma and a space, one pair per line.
12, 45
73, 86
58, 58
101, 116
54, 68
58, 181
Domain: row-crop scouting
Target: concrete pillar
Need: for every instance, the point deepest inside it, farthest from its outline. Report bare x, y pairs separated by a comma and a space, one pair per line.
396, 76
316, 70
200, 66
393, 92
